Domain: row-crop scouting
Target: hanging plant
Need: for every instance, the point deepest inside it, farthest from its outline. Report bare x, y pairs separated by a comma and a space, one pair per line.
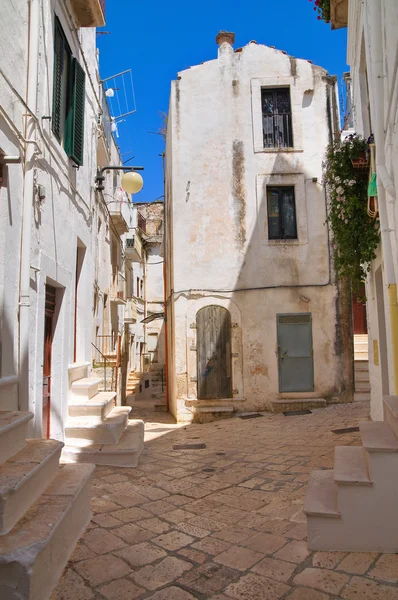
323, 9
355, 234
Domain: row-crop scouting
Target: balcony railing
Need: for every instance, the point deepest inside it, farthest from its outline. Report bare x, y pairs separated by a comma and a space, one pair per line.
130, 312
141, 222
118, 286
117, 216
89, 13
134, 248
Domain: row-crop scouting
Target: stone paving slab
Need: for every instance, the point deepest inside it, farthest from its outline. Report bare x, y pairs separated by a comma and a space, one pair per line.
222, 522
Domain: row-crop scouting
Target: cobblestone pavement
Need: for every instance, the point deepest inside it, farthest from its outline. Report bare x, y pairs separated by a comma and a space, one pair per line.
224, 521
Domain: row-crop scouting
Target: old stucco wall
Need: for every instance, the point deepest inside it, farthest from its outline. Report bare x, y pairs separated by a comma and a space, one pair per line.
218, 173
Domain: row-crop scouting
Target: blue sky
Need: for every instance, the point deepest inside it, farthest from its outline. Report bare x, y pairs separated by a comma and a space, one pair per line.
156, 40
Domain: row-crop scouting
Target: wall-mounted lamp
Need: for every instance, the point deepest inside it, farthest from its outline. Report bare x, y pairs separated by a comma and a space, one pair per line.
132, 181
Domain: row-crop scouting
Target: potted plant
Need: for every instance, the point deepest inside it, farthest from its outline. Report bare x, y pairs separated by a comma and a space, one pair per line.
355, 233
323, 8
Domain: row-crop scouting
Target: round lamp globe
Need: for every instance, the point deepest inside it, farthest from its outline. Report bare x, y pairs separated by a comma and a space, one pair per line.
132, 182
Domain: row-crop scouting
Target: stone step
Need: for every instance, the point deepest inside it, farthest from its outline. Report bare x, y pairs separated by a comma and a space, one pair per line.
288, 404
361, 376
361, 356
377, 436
86, 387
361, 396
321, 498
98, 406
362, 386
82, 431
350, 466
13, 432
361, 365
214, 409
123, 454
390, 404
35, 552
24, 477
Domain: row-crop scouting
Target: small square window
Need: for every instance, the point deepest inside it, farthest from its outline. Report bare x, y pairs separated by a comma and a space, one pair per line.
281, 208
277, 118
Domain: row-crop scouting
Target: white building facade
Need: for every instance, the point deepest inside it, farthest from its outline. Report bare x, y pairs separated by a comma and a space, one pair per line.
255, 319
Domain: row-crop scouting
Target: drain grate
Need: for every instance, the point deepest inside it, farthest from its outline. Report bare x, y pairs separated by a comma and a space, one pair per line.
189, 446
346, 430
251, 416
294, 413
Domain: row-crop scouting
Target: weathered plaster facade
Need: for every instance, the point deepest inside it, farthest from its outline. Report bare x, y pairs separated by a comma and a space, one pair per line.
218, 250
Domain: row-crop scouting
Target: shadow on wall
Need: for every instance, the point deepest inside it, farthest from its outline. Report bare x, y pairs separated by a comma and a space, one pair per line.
285, 267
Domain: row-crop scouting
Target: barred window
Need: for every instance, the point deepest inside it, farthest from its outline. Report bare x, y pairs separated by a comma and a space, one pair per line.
277, 118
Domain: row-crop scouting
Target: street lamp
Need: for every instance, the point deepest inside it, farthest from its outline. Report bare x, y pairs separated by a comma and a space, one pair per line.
132, 181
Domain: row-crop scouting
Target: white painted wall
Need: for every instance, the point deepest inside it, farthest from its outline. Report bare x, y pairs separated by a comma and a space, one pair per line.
216, 218
383, 101
62, 221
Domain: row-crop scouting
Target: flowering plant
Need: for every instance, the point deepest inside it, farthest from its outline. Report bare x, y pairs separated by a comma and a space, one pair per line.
323, 8
355, 234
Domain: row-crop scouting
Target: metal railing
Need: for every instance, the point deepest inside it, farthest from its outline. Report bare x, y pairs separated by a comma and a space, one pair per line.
105, 361
107, 345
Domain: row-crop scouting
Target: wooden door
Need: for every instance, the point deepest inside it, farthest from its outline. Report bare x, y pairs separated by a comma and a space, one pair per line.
213, 325
48, 340
359, 312
295, 356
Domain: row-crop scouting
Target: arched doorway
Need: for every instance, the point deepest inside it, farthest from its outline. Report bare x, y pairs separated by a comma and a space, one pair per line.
213, 324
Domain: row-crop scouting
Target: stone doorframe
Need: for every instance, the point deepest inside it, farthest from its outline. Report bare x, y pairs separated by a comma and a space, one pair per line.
236, 345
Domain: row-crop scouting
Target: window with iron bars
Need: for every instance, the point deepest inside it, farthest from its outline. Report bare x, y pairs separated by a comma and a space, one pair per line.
277, 118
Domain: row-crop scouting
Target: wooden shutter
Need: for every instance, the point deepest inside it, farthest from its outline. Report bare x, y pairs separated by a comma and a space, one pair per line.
75, 120
57, 85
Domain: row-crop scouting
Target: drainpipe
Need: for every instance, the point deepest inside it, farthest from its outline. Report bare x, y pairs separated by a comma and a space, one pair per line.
385, 186
166, 343
25, 401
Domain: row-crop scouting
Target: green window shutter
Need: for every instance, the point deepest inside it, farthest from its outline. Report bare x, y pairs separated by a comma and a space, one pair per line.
57, 84
75, 118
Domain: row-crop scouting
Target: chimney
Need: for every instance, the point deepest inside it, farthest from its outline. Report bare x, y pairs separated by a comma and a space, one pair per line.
225, 37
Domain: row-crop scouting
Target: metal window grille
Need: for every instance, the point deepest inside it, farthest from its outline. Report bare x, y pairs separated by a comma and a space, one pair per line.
277, 118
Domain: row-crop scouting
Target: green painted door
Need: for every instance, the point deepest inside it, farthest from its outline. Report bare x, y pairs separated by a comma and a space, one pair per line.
295, 355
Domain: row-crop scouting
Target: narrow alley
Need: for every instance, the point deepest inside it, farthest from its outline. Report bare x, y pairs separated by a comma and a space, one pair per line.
205, 517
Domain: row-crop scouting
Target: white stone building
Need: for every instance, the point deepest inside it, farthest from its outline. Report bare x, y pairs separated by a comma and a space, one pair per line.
255, 318
51, 221
360, 492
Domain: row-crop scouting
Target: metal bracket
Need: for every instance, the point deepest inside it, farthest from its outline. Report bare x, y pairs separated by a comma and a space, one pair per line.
192, 326
235, 391
234, 325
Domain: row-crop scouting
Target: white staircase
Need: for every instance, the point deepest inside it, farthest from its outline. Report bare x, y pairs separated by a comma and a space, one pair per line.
44, 510
97, 430
353, 507
361, 368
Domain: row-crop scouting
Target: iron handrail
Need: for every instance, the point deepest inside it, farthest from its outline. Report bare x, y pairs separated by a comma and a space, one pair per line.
105, 359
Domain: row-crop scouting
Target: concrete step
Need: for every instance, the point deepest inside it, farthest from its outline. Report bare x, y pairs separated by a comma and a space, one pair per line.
321, 499
361, 356
361, 365
362, 386
82, 431
86, 387
361, 396
123, 454
288, 404
35, 552
24, 477
361, 376
390, 404
377, 436
13, 432
350, 466
98, 406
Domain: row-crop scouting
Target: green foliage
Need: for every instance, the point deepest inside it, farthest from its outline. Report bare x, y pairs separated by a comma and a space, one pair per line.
323, 8
355, 234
